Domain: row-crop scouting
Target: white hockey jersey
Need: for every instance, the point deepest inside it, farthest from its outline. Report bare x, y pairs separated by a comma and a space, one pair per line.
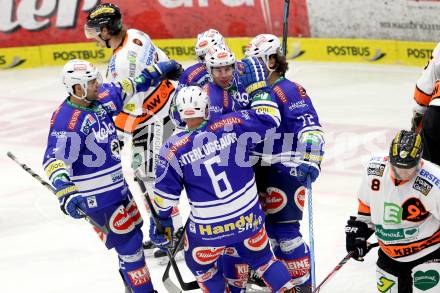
134, 54
426, 91
405, 214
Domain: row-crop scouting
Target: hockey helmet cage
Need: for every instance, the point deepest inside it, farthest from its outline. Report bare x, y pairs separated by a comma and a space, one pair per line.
406, 149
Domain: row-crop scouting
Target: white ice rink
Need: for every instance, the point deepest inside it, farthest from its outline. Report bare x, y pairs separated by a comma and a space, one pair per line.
43, 251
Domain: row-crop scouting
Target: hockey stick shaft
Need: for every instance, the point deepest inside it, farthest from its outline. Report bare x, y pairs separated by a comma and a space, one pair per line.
311, 237
285, 25
184, 285
52, 189
339, 266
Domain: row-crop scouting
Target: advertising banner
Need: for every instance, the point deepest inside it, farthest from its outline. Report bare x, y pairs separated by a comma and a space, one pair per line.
412, 20
41, 22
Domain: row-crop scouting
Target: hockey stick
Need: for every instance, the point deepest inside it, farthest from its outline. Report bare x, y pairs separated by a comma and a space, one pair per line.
169, 285
311, 239
52, 189
339, 266
285, 25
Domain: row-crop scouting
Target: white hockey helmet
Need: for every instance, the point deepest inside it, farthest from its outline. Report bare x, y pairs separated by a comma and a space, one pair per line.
192, 102
205, 40
263, 46
218, 56
79, 72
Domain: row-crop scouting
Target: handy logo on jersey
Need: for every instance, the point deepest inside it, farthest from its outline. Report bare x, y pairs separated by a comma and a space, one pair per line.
275, 200
422, 185
206, 255
258, 241
244, 223
121, 222
139, 277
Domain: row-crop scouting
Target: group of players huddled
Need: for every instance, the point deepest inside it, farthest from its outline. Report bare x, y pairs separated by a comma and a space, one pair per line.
241, 139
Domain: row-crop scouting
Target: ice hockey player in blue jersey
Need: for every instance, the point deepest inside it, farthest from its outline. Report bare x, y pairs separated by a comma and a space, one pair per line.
288, 157
211, 161
197, 74
83, 163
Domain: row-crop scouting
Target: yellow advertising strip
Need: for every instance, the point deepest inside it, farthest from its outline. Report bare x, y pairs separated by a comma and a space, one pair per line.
22, 57
299, 49
58, 55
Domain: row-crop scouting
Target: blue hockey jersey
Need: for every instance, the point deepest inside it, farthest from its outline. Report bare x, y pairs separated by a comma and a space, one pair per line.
212, 164
83, 149
284, 147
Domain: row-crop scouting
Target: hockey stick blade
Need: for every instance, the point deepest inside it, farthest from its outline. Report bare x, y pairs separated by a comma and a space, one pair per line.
339, 265
171, 287
103, 229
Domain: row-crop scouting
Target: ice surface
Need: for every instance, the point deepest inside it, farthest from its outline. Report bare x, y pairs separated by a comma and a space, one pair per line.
41, 250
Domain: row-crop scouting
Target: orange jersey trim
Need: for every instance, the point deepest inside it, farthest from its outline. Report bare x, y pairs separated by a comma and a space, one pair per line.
401, 250
124, 42
421, 98
151, 106
363, 209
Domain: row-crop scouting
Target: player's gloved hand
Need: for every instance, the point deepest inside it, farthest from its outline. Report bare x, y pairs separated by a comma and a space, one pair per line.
253, 75
161, 239
356, 235
304, 170
171, 70
71, 204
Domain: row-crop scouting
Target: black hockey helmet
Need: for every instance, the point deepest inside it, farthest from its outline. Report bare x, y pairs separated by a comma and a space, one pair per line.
106, 15
406, 149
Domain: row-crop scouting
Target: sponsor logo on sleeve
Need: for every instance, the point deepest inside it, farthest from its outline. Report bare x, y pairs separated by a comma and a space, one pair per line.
73, 119
422, 185
376, 169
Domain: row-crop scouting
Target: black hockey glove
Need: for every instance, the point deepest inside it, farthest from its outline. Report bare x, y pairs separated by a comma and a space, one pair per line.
171, 70
356, 235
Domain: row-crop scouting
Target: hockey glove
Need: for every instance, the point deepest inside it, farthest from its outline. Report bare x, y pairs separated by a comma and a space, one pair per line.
310, 145
73, 204
164, 70
356, 235
161, 240
253, 76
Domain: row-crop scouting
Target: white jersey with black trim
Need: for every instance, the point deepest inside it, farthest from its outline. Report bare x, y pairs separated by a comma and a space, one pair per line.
135, 53
404, 214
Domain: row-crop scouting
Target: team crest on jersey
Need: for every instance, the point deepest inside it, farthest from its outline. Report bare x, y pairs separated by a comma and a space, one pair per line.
413, 210
258, 241
109, 106
121, 222
206, 255
87, 123
422, 185
376, 169
91, 202
275, 200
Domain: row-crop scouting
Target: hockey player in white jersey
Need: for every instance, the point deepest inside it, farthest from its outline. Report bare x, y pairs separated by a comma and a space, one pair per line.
426, 111
145, 118
399, 200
